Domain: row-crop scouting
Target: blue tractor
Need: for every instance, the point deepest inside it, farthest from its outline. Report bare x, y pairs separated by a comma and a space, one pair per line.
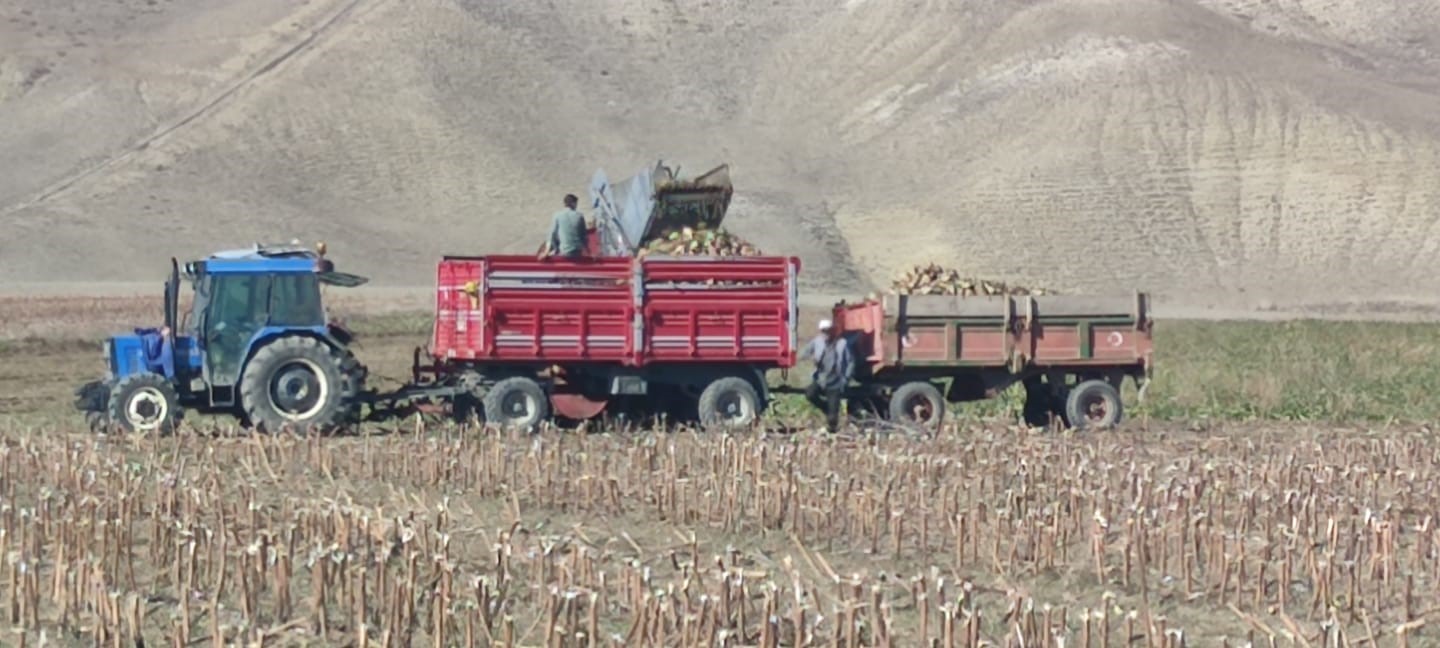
256, 343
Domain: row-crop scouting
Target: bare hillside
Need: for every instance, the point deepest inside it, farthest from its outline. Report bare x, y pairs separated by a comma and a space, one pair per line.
1237, 151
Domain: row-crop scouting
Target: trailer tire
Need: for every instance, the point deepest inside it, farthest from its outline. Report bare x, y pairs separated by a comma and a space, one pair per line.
144, 402
296, 382
517, 402
920, 395
1094, 404
730, 402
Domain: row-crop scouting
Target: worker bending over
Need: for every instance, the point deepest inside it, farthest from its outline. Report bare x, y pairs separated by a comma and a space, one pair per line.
567, 232
833, 368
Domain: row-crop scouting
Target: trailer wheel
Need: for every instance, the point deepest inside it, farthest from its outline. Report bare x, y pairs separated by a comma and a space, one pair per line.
517, 402
919, 403
1094, 404
730, 403
144, 402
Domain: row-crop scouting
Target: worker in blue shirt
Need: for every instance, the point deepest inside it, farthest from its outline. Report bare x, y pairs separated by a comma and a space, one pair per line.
833, 368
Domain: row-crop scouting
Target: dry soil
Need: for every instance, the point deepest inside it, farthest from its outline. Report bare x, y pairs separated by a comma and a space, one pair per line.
1244, 153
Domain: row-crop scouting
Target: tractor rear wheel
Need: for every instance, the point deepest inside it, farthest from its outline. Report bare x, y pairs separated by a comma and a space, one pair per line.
294, 382
730, 402
517, 402
144, 402
352, 377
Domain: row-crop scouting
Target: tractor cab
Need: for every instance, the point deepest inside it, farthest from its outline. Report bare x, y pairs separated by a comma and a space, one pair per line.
245, 305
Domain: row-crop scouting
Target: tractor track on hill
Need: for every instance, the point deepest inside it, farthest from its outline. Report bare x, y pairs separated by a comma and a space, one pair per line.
206, 108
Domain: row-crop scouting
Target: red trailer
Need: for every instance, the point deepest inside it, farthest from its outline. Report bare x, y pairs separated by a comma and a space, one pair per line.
1072, 354
574, 338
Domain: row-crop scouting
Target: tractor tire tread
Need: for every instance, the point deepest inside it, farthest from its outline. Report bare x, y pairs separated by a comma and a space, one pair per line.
124, 388
254, 384
352, 380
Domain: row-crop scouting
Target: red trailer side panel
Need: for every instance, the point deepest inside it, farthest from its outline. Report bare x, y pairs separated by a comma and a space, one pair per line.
982, 345
616, 310
933, 330
1120, 343
720, 310
1056, 344
518, 308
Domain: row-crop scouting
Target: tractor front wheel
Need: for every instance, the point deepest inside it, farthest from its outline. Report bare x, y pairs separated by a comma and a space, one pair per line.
294, 382
144, 402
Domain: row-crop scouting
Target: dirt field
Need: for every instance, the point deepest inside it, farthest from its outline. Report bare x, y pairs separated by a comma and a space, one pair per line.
1183, 528
1257, 154
1244, 534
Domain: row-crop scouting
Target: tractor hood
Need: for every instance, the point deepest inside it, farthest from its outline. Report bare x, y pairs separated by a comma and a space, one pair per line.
630, 212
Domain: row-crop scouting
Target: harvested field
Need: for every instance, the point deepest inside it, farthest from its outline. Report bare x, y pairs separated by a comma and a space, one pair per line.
983, 536
1185, 527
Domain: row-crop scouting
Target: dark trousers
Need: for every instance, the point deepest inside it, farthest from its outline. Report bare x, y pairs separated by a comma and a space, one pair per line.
828, 401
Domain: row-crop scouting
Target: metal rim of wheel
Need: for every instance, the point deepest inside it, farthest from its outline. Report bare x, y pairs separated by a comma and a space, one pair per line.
1096, 408
732, 407
299, 389
147, 409
518, 405
920, 409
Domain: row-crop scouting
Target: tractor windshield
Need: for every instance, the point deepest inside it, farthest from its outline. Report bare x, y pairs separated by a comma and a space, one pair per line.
237, 311
295, 301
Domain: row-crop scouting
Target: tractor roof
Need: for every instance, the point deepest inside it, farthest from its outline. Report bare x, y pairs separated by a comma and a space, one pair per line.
270, 259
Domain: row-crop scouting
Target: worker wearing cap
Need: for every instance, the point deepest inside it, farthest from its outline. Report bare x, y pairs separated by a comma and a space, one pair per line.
567, 232
833, 368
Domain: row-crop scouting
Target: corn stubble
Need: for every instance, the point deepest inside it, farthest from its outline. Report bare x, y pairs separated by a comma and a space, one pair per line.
987, 538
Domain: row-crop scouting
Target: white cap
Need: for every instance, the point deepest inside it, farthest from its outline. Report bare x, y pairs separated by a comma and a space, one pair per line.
825, 324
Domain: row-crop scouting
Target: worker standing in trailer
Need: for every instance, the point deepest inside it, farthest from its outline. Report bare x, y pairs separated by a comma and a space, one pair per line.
833, 369
567, 232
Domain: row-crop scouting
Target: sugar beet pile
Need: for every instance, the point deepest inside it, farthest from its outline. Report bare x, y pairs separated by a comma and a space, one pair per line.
933, 279
692, 229
927, 279
699, 240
